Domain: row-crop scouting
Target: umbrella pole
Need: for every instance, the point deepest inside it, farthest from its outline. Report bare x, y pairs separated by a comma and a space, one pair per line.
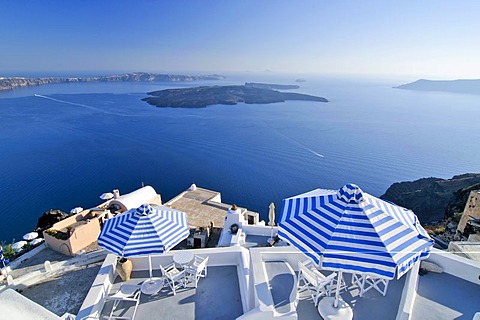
337, 291
150, 267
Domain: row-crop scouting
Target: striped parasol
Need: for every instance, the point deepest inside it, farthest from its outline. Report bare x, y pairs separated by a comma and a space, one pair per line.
3, 260
351, 231
143, 231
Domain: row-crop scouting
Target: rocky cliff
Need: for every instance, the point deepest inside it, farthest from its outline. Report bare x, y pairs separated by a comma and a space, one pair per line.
11, 83
433, 199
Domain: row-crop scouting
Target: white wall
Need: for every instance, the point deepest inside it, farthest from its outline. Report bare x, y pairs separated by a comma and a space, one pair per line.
257, 230
456, 266
93, 304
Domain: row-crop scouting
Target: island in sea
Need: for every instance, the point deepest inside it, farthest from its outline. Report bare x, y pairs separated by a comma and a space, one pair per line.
16, 82
470, 86
201, 97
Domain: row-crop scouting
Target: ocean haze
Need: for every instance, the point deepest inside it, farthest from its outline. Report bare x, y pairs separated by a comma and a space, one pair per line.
421, 38
66, 148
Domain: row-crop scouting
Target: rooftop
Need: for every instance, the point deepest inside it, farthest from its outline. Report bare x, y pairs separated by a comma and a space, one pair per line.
202, 206
207, 301
222, 295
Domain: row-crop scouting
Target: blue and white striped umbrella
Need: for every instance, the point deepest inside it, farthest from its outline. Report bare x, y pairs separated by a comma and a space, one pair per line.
144, 231
349, 230
5, 262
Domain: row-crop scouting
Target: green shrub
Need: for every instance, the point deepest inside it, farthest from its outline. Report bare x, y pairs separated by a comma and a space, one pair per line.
8, 251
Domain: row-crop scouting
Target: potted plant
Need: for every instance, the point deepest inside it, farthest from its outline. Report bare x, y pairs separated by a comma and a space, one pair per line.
124, 268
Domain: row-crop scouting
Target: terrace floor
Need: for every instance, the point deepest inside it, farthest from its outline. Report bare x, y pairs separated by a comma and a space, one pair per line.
443, 296
372, 305
217, 297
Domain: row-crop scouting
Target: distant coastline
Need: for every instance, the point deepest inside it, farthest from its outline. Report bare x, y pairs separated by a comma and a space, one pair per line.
201, 97
271, 86
9, 83
470, 86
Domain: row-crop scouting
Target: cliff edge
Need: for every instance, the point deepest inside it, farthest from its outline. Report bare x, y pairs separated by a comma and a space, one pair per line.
16, 82
433, 199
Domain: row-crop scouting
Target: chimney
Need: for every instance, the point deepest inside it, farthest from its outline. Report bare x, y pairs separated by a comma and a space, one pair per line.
234, 209
116, 194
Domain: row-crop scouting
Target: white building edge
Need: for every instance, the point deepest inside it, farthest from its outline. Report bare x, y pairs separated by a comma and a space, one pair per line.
256, 297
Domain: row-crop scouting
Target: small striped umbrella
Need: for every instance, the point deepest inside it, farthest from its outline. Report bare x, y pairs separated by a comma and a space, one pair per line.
145, 230
350, 230
4, 261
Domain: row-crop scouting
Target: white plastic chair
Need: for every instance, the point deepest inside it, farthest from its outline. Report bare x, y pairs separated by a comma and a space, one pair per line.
126, 293
197, 270
366, 282
174, 277
318, 285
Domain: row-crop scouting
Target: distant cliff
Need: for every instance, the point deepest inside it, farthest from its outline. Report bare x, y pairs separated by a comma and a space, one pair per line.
201, 97
432, 199
458, 86
11, 83
271, 86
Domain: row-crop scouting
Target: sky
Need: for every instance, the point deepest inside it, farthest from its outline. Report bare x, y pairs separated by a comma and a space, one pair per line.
432, 39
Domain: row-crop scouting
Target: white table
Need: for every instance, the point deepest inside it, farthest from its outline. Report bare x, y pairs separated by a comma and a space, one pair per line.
183, 257
152, 286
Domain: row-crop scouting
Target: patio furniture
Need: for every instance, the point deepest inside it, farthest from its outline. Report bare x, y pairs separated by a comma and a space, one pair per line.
197, 270
318, 285
367, 282
126, 293
174, 277
183, 257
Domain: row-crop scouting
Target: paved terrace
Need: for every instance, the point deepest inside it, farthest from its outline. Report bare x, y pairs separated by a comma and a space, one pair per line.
443, 296
372, 305
202, 206
217, 297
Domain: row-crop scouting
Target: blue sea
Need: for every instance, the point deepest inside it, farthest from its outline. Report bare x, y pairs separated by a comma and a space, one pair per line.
72, 142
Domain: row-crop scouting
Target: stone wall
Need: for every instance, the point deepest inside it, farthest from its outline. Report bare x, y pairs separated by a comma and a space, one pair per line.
472, 210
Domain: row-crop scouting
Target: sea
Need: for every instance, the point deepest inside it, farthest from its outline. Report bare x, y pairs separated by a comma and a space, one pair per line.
63, 145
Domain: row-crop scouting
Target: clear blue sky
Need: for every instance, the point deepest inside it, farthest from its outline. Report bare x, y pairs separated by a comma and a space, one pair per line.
430, 39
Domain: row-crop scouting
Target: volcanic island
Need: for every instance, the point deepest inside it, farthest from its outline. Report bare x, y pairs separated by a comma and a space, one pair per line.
203, 96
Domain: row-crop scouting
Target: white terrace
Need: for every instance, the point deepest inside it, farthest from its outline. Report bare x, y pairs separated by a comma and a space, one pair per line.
260, 283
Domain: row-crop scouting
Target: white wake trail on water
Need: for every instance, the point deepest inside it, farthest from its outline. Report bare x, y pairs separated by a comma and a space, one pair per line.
295, 142
84, 106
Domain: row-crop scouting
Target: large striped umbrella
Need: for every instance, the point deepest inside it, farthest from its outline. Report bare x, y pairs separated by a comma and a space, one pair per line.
350, 230
145, 230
